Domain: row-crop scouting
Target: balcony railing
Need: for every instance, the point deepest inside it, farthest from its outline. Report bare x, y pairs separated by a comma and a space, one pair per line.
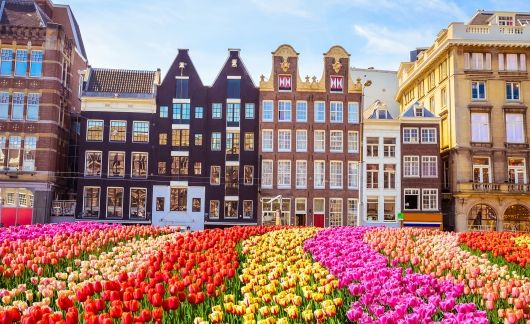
481, 228
471, 187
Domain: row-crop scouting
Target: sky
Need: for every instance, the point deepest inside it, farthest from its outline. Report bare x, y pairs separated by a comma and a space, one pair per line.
146, 34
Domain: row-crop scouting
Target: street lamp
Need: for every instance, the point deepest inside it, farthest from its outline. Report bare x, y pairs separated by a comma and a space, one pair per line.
278, 217
360, 204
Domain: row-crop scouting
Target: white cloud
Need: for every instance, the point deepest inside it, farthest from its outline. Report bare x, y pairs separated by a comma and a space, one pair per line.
381, 40
296, 8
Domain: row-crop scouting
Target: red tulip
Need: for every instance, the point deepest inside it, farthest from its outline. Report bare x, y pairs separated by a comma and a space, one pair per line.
145, 315
126, 318
64, 302
158, 313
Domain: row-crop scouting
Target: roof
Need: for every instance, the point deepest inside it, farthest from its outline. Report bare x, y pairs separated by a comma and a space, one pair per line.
115, 81
377, 110
24, 13
484, 17
411, 113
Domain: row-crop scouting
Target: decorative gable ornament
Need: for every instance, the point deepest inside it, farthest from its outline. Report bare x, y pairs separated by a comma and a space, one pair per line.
285, 64
337, 65
285, 82
336, 83
234, 63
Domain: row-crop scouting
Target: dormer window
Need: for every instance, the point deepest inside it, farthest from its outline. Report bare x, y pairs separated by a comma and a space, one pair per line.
505, 20
381, 114
418, 112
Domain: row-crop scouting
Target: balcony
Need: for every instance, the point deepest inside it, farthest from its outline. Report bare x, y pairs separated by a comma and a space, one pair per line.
502, 188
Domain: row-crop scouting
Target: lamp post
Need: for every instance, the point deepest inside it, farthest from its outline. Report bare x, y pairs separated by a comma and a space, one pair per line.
360, 205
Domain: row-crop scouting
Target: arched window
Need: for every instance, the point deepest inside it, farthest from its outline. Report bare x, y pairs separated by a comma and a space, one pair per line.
517, 218
482, 218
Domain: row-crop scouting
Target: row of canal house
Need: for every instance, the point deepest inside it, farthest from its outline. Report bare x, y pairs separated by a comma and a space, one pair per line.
173, 151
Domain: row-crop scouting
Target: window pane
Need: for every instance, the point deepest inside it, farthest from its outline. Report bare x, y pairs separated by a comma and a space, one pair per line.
33, 106
182, 89
35, 69
141, 132
7, 61
21, 65
233, 88
114, 202
18, 106
138, 202
116, 164
4, 105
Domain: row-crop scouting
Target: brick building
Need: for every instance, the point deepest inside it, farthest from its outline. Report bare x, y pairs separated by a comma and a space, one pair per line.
41, 51
309, 148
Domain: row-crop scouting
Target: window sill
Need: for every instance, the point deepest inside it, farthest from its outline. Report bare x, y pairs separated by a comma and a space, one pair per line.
516, 145
480, 106
482, 144
476, 71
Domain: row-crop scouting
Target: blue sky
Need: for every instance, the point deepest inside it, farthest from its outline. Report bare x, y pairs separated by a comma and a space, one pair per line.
146, 34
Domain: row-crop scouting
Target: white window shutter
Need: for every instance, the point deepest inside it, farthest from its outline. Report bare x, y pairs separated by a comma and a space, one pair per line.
522, 62
501, 62
487, 65
466, 61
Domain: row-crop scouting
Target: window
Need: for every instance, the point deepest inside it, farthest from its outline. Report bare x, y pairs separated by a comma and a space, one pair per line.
199, 112
432, 106
249, 111
301, 174
180, 137
181, 111
267, 140
429, 166
116, 164
18, 106
214, 209
217, 109
164, 111
429, 199
372, 147
230, 209
389, 176
319, 205
516, 170
139, 165
233, 88
231, 177
197, 139
301, 111
389, 147
372, 209
352, 211
515, 128
443, 97
178, 199
319, 174
30, 151
248, 175
21, 65
353, 142
320, 112
249, 141
335, 175
233, 112
389, 209
179, 165
162, 168
35, 69
160, 203
410, 135
443, 70
91, 201
335, 212
353, 112
480, 127
428, 135
320, 141
266, 173
33, 107
412, 199
216, 141
140, 131
284, 111
335, 112
215, 175
301, 140
477, 61
284, 174
267, 112
182, 88
300, 205
512, 62
478, 90
481, 170
3, 147
372, 176
197, 168
13, 154
512, 90
284, 140
248, 208
432, 81
118, 131
353, 175
335, 139
232, 143
4, 105
162, 139
505, 20
92, 163
114, 202
411, 166
7, 61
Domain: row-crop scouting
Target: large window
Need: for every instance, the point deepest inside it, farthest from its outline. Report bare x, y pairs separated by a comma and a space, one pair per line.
217, 111
94, 130
389, 176
372, 208
248, 174
249, 141
372, 176
116, 164
410, 135
411, 166
35, 69
249, 111
477, 61
335, 175
162, 138
284, 174
320, 112
335, 212
428, 135
231, 177
284, 140
6, 65
231, 209
182, 86
284, 111
248, 208
351, 217
199, 112
18, 106
335, 141
266, 173
179, 165
516, 170
233, 112
372, 146
478, 90
412, 199
512, 90
335, 112
481, 170
114, 202
301, 174
429, 166
118, 131
515, 128
320, 141
181, 111
214, 209
389, 208
301, 140
389, 147
232, 142
429, 199
301, 111
13, 153
139, 164
480, 127
197, 139
233, 88
91, 202
21, 65
353, 112
138, 201
319, 174
267, 140
216, 141
30, 151
512, 61
93, 163
267, 110
4, 105
178, 199
163, 112
353, 142
180, 137
215, 175
353, 175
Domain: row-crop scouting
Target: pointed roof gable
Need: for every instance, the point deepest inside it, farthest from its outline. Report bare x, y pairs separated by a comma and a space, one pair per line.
234, 61
183, 66
378, 110
410, 112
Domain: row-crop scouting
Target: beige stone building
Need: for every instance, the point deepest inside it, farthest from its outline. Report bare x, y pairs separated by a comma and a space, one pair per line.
475, 77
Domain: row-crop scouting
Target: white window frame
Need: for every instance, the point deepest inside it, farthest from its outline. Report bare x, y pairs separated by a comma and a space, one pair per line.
425, 135
298, 103
316, 184
148, 130
352, 211
282, 105
413, 160
336, 172
323, 103
429, 192
145, 202
478, 83
102, 130
426, 165
517, 170
284, 140
263, 103
409, 138
264, 138
336, 141
353, 113
412, 192
301, 174
322, 147
353, 175
86, 163
336, 112
480, 133
510, 95
301, 140
335, 202
353, 142
515, 129
263, 176
284, 172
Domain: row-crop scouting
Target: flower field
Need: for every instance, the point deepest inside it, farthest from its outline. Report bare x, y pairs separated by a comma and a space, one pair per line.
98, 273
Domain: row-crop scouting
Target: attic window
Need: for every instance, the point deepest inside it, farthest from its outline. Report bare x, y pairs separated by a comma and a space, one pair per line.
505, 20
418, 112
381, 114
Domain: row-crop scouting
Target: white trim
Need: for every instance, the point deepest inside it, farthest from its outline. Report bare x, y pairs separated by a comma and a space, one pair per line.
180, 153
148, 131
178, 184
180, 126
182, 77
184, 101
437, 223
232, 163
296, 211
108, 164
110, 130
85, 173
231, 198
233, 129
86, 130
99, 202
233, 101
233, 77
